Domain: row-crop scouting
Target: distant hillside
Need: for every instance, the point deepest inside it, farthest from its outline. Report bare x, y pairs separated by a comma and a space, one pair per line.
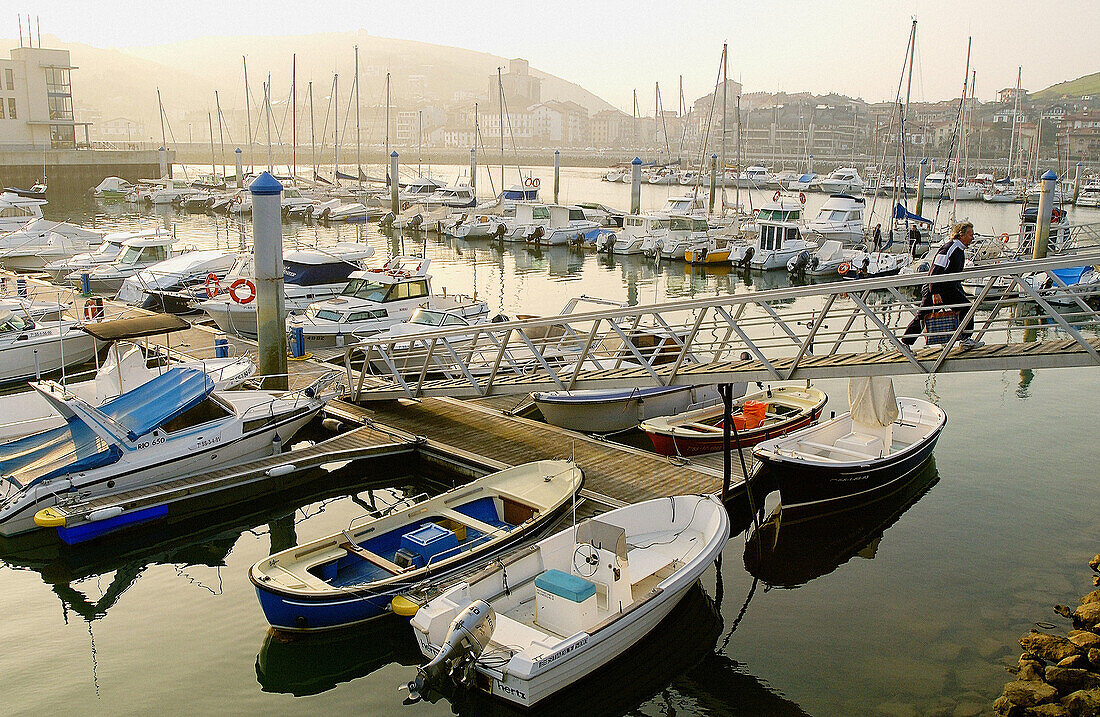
1087, 85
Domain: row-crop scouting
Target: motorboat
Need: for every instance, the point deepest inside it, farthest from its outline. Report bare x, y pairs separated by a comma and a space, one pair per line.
802, 183
34, 308
527, 217
411, 354
309, 276
639, 232
105, 253
1081, 282
1061, 233
164, 285
665, 175
832, 259
355, 575
840, 218
754, 177
127, 364
41, 242
374, 300
1090, 195
478, 224
602, 214
758, 416
350, 212
779, 236
137, 254
573, 602
112, 188
684, 233
613, 175
16, 211
30, 348
167, 191
606, 411
711, 249
1003, 191
882, 440
694, 204
780, 179
459, 196
170, 426
845, 180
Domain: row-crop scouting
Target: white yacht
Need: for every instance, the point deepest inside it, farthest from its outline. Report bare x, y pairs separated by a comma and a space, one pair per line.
778, 238
845, 180
754, 177
137, 254
105, 253
30, 348
16, 211
168, 191
567, 224
375, 300
175, 275
684, 232
693, 204
639, 232
41, 241
840, 218
802, 183
834, 261
1090, 195
309, 276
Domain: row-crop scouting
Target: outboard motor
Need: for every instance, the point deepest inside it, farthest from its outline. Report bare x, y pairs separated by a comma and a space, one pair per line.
415, 222
536, 234
799, 262
748, 257
499, 233
466, 639
386, 220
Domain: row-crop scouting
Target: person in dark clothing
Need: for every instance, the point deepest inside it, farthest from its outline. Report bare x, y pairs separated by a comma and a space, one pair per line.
876, 241
914, 239
949, 259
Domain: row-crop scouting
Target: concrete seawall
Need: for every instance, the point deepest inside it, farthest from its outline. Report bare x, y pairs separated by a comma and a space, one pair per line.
76, 170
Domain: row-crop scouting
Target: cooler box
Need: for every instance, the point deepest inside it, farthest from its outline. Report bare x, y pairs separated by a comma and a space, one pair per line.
429, 540
564, 604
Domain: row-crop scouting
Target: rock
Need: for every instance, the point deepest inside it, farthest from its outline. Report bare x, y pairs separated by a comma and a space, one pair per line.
1030, 670
1084, 639
1087, 615
1051, 710
1094, 657
1083, 703
1094, 596
1063, 610
1070, 679
1048, 647
1028, 693
1075, 661
1006, 708
1095, 563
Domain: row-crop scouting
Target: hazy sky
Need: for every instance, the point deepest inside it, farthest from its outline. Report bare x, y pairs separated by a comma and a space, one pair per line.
854, 47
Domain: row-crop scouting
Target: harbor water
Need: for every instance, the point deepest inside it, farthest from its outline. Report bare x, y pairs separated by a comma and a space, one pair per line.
909, 606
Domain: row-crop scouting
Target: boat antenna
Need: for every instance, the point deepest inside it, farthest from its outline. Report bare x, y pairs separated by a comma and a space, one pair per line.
573, 460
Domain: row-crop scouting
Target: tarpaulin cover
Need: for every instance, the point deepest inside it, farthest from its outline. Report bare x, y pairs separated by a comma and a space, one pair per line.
158, 401
65, 449
900, 212
872, 400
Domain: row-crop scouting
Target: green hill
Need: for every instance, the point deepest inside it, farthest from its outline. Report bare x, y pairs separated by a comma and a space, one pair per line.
1087, 85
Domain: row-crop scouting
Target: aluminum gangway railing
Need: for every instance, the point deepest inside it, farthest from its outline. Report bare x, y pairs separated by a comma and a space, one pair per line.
1027, 316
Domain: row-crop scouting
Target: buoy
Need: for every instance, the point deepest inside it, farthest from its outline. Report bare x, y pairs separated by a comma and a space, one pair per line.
403, 606
331, 424
49, 518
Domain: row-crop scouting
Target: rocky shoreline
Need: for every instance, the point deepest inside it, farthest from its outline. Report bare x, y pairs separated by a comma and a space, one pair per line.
1059, 676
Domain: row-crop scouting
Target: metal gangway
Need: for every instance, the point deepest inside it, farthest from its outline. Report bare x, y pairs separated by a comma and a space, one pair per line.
1027, 316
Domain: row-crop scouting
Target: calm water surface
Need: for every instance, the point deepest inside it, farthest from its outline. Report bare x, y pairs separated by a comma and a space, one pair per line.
910, 606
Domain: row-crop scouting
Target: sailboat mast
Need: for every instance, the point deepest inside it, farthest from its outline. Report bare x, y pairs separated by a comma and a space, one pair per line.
294, 117
248, 116
388, 115
213, 157
962, 132
267, 112
160, 110
221, 132
312, 131
336, 128
1015, 106
419, 140
902, 182
500, 101
725, 84
358, 149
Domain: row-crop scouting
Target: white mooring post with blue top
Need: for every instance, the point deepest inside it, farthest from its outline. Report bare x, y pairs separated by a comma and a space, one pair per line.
920, 186
395, 186
636, 186
557, 173
1042, 221
267, 230
240, 168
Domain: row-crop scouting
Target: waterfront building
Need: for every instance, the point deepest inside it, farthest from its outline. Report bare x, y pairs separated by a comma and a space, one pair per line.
36, 101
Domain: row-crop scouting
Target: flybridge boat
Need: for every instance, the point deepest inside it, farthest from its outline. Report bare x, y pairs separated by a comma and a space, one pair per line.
30, 348
757, 416
169, 426
354, 575
106, 253
41, 241
685, 233
840, 218
16, 211
881, 441
639, 232
845, 180
779, 236
164, 285
309, 276
137, 254
377, 299
535, 621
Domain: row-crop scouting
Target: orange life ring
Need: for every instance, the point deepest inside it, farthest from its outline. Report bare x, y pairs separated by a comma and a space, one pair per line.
236, 285
755, 212
93, 309
213, 286
775, 197
802, 197
1004, 237
405, 205
238, 199
844, 268
532, 182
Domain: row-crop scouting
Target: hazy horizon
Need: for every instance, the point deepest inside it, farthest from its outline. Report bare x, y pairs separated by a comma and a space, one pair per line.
854, 48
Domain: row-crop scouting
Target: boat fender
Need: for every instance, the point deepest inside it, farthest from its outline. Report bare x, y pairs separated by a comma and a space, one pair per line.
404, 607
331, 424
105, 513
282, 470
236, 294
212, 285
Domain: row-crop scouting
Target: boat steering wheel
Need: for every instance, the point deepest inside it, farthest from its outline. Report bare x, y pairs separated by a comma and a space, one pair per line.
589, 561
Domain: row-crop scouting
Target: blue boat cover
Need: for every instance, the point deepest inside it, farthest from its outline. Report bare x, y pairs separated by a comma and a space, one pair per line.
528, 195
806, 178
158, 401
1071, 275
66, 449
900, 212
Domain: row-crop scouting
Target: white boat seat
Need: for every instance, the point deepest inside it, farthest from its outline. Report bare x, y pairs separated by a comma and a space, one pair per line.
519, 637
645, 562
837, 449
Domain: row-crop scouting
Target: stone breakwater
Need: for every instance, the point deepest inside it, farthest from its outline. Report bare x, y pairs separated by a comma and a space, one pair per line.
1059, 676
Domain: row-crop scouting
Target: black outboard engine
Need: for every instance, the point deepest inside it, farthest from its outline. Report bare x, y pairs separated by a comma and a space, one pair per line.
415, 222
608, 243
748, 257
536, 234
499, 233
386, 220
799, 262
466, 639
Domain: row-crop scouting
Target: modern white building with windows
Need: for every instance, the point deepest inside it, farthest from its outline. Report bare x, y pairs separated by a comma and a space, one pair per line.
36, 101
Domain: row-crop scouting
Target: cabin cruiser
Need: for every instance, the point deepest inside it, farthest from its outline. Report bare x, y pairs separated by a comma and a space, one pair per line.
172, 425
162, 191
833, 260
166, 283
528, 217
566, 225
840, 218
459, 196
778, 236
602, 214
31, 348
376, 299
684, 233
16, 211
845, 180
112, 188
309, 276
41, 241
1003, 191
137, 253
693, 204
754, 177
1090, 195
409, 356
639, 232
801, 183
108, 251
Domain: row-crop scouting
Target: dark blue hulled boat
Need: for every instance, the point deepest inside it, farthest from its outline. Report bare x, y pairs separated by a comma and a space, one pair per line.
881, 441
354, 575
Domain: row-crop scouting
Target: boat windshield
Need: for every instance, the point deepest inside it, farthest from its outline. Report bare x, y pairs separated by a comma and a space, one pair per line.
366, 289
15, 323
429, 317
681, 224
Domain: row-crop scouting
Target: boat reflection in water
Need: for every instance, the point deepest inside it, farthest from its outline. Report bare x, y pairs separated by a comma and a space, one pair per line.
790, 551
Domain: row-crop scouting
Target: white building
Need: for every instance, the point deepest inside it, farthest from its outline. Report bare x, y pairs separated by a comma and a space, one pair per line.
36, 101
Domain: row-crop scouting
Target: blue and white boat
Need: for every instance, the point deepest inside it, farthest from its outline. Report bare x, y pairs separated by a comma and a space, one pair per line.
170, 426
354, 575
605, 411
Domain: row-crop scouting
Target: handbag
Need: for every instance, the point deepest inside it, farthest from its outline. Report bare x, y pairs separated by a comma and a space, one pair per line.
939, 326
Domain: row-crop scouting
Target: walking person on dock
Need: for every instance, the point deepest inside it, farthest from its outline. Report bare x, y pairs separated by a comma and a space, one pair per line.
876, 240
949, 259
914, 239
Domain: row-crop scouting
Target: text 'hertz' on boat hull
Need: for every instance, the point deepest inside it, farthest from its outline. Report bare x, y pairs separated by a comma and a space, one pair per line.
353, 576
